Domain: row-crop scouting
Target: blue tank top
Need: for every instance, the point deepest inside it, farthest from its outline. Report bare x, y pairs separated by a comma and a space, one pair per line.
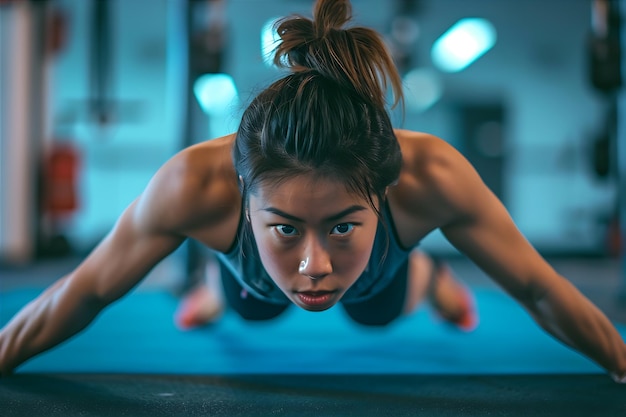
387, 257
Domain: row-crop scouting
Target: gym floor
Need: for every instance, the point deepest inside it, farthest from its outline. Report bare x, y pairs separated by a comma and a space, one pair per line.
132, 360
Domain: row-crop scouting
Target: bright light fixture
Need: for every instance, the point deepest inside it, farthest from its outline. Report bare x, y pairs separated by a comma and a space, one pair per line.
216, 93
465, 42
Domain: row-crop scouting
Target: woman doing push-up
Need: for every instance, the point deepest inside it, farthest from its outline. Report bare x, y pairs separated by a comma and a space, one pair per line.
317, 200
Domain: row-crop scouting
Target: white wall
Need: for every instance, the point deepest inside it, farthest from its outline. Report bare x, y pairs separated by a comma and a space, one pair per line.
18, 122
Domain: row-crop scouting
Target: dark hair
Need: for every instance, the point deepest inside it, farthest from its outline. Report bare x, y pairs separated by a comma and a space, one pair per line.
328, 117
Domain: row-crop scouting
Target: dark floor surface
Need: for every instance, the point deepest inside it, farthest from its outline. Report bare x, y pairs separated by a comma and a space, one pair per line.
69, 395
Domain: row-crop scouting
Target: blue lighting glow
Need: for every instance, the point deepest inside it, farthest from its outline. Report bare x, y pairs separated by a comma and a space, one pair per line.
216, 93
422, 89
465, 42
269, 42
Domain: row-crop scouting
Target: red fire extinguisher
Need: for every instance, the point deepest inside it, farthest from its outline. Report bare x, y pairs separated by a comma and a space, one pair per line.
60, 180
614, 240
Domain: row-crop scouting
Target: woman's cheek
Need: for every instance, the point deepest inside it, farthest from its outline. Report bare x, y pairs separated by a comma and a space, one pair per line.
275, 260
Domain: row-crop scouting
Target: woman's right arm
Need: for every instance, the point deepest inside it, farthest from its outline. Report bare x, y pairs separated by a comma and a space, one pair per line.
138, 241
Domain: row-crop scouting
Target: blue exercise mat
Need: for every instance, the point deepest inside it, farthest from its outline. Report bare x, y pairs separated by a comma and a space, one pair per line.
137, 335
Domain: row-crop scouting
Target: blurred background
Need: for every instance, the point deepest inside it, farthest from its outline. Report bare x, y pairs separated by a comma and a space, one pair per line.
96, 94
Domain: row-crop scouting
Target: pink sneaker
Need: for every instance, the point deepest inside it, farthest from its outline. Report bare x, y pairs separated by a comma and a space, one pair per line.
199, 308
465, 317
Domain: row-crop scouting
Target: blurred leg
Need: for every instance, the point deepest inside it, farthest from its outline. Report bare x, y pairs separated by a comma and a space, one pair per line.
434, 281
204, 303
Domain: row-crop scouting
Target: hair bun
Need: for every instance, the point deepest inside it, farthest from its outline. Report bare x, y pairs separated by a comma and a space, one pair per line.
329, 15
299, 33
355, 57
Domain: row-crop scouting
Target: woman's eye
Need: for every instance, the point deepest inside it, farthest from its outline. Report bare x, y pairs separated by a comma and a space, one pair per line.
342, 229
286, 230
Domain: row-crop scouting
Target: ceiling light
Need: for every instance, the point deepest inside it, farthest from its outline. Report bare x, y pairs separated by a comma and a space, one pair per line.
465, 42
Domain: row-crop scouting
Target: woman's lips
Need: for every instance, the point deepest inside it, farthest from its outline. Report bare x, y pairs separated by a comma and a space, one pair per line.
315, 299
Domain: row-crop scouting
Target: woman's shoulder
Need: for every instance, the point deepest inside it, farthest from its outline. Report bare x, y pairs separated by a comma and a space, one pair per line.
204, 161
195, 187
430, 183
421, 142
206, 166
426, 157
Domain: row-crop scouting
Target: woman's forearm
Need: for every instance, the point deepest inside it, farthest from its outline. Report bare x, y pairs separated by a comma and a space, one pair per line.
569, 316
56, 315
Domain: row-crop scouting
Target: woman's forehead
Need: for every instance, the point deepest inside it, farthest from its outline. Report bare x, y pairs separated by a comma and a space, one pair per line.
306, 193
303, 186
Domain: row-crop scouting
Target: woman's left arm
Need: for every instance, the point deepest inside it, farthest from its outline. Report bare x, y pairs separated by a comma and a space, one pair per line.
479, 226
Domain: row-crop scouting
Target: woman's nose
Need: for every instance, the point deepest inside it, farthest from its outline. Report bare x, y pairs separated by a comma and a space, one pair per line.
316, 262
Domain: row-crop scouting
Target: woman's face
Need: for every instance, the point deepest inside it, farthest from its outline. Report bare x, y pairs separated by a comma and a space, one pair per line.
314, 238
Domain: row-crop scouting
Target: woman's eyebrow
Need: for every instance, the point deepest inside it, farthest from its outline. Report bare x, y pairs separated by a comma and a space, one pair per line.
332, 217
